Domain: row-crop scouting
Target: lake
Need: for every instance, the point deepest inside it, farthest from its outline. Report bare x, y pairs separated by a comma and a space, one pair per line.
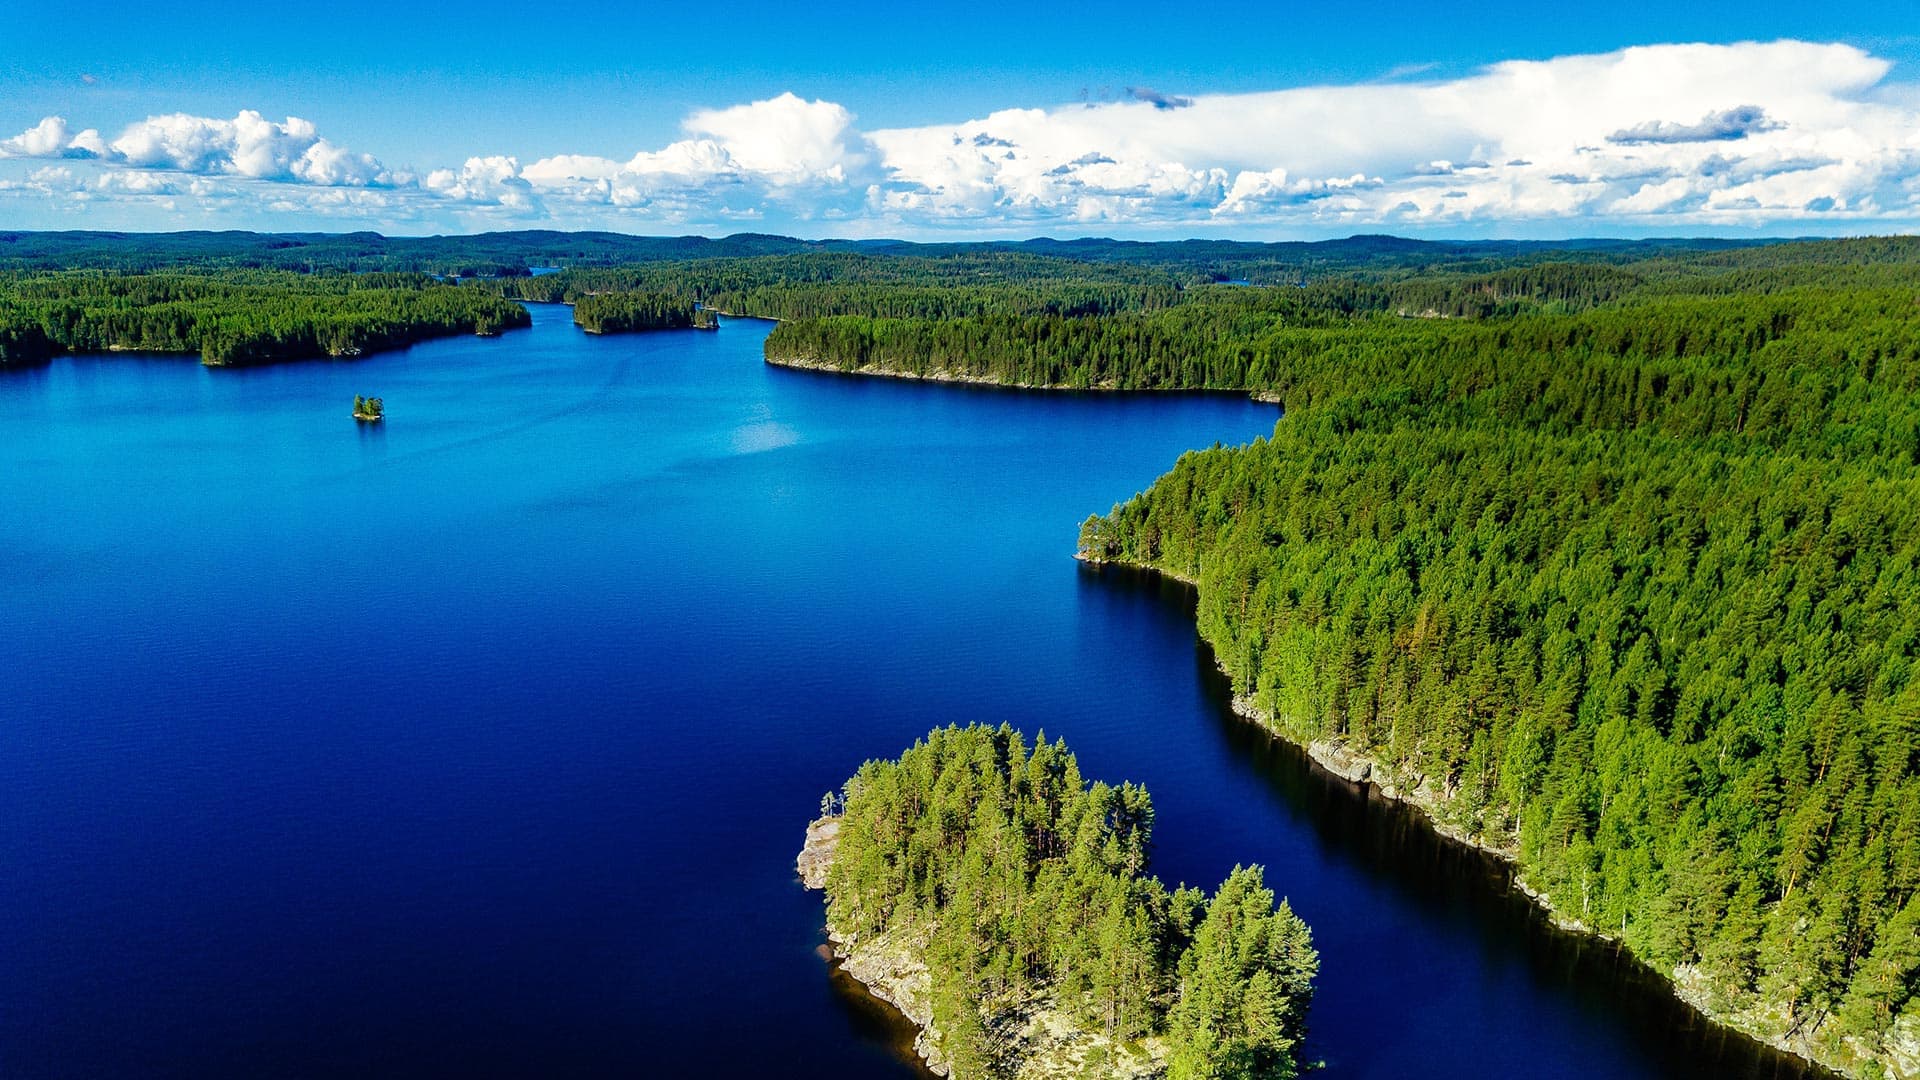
480, 742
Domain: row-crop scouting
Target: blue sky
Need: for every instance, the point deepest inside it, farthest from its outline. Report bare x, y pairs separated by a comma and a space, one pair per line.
415, 90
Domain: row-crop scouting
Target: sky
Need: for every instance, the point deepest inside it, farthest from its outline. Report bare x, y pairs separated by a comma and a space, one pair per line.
1254, 121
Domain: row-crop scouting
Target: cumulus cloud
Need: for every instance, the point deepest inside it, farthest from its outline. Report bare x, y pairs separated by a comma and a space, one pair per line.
52, 138
1722, 134
1667, 135
248, 146
802, 156
489, 181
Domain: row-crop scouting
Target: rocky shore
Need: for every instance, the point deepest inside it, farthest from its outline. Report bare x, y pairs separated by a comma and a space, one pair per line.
1038, 1042
963, 378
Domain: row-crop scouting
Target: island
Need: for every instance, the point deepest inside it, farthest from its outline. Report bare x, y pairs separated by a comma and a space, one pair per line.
982, 887
368, 410
631, 311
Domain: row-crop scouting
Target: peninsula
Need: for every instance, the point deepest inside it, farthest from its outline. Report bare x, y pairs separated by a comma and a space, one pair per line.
1003, 904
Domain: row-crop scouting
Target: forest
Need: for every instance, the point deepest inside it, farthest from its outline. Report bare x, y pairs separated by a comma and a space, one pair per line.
1611, 564
236, 317
629, 311
1627, 594
519, 252
1025, 882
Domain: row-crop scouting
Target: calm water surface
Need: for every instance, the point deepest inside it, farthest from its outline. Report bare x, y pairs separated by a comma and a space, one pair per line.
480, 743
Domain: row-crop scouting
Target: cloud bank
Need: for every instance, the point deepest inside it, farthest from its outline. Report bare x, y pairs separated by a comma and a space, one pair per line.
1741, 135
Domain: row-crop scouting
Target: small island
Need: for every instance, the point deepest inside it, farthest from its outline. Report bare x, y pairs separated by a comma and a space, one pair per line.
634, 310
1001, 903
368, 410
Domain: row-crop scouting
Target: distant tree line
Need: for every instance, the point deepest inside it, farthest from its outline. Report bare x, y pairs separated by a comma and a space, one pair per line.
237, 317
624, 312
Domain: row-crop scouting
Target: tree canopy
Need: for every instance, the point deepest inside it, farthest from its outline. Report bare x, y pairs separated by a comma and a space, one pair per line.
1027, 882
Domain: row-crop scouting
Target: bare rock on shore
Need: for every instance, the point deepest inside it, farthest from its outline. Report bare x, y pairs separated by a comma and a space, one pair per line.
1038, 1041
816, 855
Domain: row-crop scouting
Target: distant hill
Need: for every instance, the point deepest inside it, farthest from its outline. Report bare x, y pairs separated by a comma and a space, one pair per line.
513, 253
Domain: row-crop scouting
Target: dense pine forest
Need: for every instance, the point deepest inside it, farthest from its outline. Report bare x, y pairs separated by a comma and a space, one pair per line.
1627, 593
1025, 882
236, 317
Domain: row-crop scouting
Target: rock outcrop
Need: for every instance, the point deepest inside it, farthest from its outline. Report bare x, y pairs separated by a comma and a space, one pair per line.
1039, 1042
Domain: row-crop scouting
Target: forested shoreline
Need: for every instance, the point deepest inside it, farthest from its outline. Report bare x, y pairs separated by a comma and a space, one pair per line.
1627, 595
628, 312
1022, 892
236, 317
1611, 569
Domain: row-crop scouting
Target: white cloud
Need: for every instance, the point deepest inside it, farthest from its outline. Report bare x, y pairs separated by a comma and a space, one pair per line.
1641, 128
487, 181
1745, 134
784, 139
52, 138
802, 156
248, 146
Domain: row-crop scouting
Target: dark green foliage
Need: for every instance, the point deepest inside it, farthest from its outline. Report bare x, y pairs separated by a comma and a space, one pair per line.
625, 312
826, 283
238, 317
1026, 881
371, 409
22, 340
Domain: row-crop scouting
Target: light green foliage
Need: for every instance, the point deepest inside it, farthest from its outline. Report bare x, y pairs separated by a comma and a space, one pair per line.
1242, 981
1027, 881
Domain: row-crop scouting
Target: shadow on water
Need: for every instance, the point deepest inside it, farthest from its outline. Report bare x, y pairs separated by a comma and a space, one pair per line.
872, 1020
1393, 846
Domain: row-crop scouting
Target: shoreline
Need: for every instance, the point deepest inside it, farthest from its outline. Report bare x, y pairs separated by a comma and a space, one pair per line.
959, 378
1685, 983
1046, 1044
885, 968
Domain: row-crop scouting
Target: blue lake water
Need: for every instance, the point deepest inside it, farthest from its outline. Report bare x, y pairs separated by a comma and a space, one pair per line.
480, 743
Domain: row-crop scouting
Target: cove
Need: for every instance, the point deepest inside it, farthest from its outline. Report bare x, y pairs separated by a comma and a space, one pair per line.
479, 742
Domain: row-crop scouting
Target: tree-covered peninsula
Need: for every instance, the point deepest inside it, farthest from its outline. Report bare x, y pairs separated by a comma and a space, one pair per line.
237, 316
1610, 569
1003, 903
631, 311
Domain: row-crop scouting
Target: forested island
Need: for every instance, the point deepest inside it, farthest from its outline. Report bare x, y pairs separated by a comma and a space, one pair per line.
237, 317
983, 887
630, 311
